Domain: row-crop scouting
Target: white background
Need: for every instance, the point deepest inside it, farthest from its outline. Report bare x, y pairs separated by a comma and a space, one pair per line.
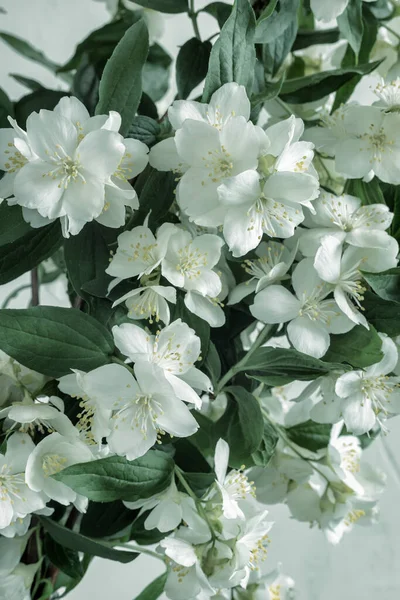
365, 566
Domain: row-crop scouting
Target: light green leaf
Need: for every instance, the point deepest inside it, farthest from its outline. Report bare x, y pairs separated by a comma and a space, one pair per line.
31, 84
359, 347
26, 252
265, 452
54, 340
277, 33
121, 84
116, 478
310, 435
385, 284
154, 589
75, 541
350, 24
191, 65
369, 193
233, 55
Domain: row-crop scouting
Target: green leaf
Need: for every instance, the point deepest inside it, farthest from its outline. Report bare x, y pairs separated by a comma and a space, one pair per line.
212, 364
385, 284
242, 425
360, 347
75, 541
86, 258
6, 109
306, 38
314, 87
54, 340
144, 129
85, 84
384, 315
233, 55
121, 83
369, 193
277, 34
310, 435
12, 224
28, 51
154, 589
34, 102
278, 366
26, 252
156, 194
219, 10
191, 65
116, 478
265, 452
350, 24
31, 84
65, 559
165, 6
105, 520
156, 73
270, 92
200, 482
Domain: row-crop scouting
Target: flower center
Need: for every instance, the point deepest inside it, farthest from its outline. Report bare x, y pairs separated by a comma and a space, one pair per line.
353, 517
125, 167
220, 165
66, 168
378, 390
259, 552
238, 486
378, 142
53, 463
145, 304
15, 160
191, 261
141, 411
10, 484
275, 592
266, 164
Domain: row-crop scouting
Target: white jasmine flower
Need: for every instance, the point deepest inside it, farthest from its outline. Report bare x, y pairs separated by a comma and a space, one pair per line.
165, 508
233, 486
16, 499
327, 405
139, 252
342, 269
44, 414
371, 395
345, 218
15, 578
208, 309
273, 262
328, 10
275, 586
312, 317
53, 454
372, 146
389, 95
251, 545
144, 409
174, 349
149, 302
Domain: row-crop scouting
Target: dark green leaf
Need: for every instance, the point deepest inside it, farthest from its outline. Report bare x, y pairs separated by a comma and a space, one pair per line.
105, 520
351, 25
54, 340
191, 65
242, 426
277, 34
154, 589
310, 435
278, 366
144, 129
369, 193
359, 347
86, 258
265, 452
212, 364
28, 51
34, 102
31, 84
12, 224
219, 10
65, 559
270, 92
26, 252
200, 482
75, 541
305, 38
156, 73
6, 109
147, 108
314, 87
384, 315
116, 478
385, 284
85, 85
165, 6
156, 193
233, 55
121, 83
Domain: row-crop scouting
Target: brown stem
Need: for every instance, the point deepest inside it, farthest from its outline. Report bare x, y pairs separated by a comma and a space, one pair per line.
35, 287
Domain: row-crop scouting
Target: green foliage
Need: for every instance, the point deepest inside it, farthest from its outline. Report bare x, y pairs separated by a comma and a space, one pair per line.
350, 24
369, 193
310, 435
53, 340
116, 478
106, 520
156, 194
121, 83
384, 315
191, 65
144, 129
220, 10
28, 51
165, 6
306, 38
265, 452
385, 284
233, 55
6, 109
154, 589
35, 101
26, 252
278, 366
80, 543
156, 73
12, 224
65, 559
277, 32
360, 347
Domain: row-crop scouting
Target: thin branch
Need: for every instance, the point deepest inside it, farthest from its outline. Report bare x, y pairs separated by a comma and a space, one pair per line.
35, 287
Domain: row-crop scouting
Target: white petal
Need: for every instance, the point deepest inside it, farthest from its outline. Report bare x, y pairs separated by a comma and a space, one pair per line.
358, 414
164, 156
186, 109
221, 459
241, 189
328, 259
309, 337
205, 308
275, 304
228, 101
133, 341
